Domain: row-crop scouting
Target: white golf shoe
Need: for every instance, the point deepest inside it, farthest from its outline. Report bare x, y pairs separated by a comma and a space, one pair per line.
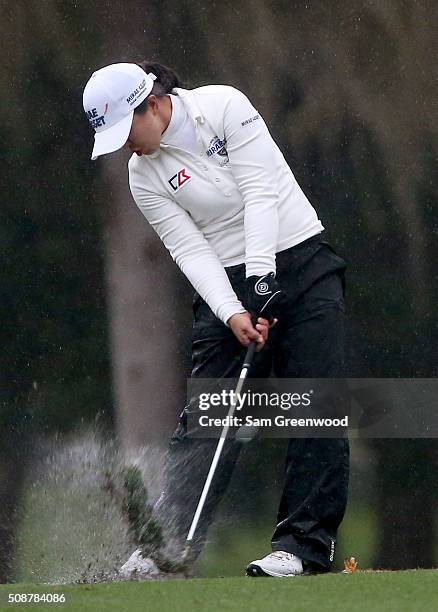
280, 564
139, 567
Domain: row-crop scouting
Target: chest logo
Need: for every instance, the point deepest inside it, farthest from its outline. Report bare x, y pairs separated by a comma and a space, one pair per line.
179, 179
218, 147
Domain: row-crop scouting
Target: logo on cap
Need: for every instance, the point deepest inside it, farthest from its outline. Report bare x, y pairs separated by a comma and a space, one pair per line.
95, 120
133, 96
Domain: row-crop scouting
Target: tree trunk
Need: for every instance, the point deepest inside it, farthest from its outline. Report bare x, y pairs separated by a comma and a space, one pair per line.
148, 305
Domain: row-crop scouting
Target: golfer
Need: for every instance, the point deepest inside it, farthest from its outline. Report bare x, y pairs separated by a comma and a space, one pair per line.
210, 180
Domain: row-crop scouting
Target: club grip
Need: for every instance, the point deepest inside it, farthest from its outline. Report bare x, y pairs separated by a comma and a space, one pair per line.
249, 354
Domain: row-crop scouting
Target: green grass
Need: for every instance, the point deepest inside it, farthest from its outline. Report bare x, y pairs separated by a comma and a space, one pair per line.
388, 591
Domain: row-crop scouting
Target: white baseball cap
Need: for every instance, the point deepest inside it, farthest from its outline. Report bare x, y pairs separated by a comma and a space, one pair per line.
109, 99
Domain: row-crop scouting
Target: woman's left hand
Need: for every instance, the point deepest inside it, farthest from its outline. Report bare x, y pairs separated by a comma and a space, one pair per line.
263, 327
242, 327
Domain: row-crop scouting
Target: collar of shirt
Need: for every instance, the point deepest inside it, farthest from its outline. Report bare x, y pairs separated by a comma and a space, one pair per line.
181, 131
177, 120
189, 100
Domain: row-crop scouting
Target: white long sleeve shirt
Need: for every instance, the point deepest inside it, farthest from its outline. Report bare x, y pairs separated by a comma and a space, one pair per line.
219, 193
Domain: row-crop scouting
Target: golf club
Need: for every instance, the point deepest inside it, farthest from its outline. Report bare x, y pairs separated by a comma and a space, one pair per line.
243, 373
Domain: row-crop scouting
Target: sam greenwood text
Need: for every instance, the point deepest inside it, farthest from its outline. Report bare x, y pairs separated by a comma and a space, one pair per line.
278, 421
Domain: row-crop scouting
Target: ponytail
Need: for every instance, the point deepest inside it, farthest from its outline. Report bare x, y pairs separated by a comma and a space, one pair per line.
166, 80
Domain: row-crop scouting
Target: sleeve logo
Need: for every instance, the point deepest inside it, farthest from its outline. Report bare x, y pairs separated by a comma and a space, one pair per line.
179, 179
250, 120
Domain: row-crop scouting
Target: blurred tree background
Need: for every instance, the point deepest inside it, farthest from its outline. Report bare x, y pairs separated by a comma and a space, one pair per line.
95, 317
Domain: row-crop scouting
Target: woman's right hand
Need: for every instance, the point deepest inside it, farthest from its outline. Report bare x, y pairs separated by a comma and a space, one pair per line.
242, 327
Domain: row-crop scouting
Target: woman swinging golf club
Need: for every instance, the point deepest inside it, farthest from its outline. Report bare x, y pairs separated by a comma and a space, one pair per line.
211, 181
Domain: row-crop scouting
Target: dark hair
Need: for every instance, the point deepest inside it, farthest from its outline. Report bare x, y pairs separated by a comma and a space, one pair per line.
166, 80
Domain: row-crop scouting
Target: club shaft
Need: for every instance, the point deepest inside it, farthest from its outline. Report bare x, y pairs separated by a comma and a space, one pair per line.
246, 365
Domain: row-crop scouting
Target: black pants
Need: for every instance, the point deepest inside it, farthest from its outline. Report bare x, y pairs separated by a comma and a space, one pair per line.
307, 342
